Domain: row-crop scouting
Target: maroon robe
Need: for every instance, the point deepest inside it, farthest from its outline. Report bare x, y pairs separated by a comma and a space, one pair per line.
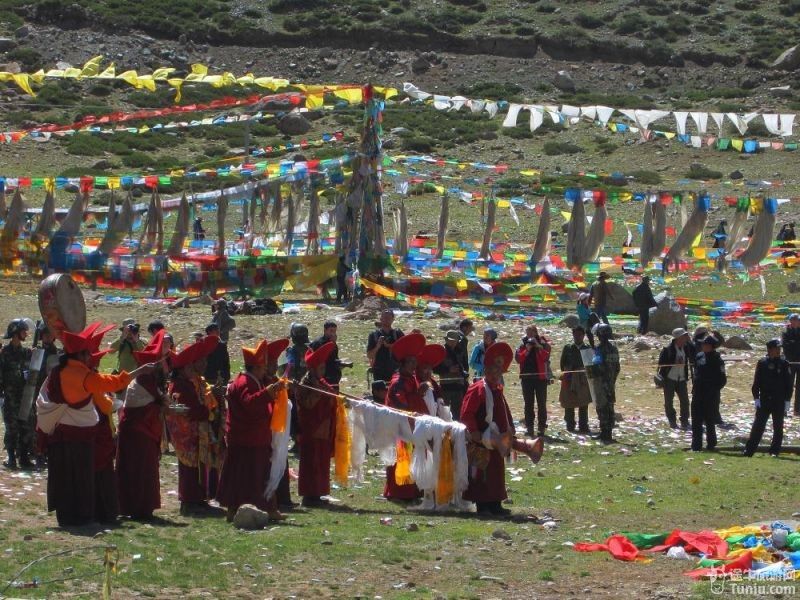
139, 454
403, 394
245, 472
317, 415
488, 485
192, 480
106, 504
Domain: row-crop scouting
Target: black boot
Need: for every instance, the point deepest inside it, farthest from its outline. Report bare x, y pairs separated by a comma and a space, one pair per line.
25, 462
11, 463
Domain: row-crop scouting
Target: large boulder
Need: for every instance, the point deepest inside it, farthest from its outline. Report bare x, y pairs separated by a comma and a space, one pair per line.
294, 124
737, 342
620, 301
251, 518
570, 321
564, 82
667, 315
789, 59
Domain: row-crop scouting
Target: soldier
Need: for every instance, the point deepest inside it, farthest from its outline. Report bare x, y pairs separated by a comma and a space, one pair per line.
605, 366
772, 395
709, 379
14, 362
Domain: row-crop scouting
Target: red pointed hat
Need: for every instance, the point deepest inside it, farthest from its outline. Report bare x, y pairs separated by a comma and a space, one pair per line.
314, 358
78, 342
274, 349
408, 345
154, 351
499, 353
255, 356
96, 357
194, 352
431, 355
97, 337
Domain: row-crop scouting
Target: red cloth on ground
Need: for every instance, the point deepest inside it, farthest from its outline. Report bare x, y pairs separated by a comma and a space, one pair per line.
618, 546
705, 542
742, 563
317, 415
487, 485
403, 394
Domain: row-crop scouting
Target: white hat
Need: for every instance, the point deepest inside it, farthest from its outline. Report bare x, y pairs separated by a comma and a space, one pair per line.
679, 332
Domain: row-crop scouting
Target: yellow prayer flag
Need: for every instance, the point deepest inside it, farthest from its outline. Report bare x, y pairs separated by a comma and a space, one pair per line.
314, 101
108, 73
92, 66
738, 145
696, 241
503, 204
461, 285
50, 184
113, 183
567, 215
350, 95
22, 80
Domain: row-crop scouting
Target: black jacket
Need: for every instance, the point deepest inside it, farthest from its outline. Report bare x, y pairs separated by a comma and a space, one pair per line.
218, 365
667, 357
643, 297
772, 382
333, 370
709, 374
791, 344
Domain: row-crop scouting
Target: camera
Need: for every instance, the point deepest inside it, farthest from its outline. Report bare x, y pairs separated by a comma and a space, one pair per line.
134, 328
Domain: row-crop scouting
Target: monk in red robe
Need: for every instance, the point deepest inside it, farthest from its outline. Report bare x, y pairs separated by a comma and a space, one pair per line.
191, 431
284, 492
316, 411
487, 417
141, 424
248, 436
404, 394
67, 415
106, 504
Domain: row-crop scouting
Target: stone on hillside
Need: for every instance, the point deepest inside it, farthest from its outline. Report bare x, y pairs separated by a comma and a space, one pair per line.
22, 32
102, 164
667, 315
570, 321
642, 345
420, 65
620, 301
294, 124
737, 342
249, 517
564, 82
781, 91
789, 60
6, 43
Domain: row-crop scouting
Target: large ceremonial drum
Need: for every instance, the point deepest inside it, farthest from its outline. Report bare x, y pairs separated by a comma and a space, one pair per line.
61, 304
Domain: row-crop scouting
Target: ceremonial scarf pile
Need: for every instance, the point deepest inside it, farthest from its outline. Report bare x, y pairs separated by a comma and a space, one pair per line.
438, 462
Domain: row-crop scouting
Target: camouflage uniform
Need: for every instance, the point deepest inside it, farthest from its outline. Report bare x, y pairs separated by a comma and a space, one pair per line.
606, 368
14, 362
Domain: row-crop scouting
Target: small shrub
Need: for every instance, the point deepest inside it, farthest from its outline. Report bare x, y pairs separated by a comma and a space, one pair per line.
555, 148
646, 177
28, 58
252, 13
517, 133
418, 144
546, 8
744, 5
631, 23
138, 160
588, 21
790, 8
701, 172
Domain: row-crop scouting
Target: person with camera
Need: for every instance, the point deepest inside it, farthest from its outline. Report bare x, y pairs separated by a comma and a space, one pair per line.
673, 376
575, 391
533, 356
478, 352
333, 365
379, 347
127, 343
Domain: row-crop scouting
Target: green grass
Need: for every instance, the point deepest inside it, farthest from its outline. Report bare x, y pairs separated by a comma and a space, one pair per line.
350, 552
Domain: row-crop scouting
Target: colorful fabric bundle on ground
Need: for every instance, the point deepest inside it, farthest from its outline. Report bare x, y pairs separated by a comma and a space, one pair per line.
754, 551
